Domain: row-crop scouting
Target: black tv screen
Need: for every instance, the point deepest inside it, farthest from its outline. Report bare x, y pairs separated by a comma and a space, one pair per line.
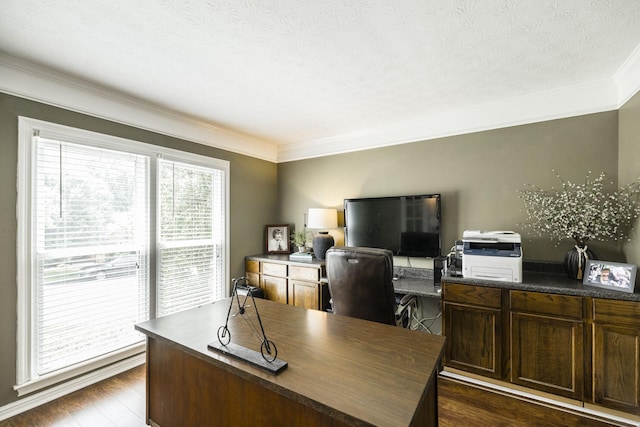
406, 225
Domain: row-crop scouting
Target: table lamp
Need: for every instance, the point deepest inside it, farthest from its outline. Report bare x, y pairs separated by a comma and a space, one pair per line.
322, 219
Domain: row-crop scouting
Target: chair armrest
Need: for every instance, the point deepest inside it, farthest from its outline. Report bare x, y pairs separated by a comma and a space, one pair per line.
407, 299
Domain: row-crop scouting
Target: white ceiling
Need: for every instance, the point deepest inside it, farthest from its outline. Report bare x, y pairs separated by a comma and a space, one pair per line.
288, 79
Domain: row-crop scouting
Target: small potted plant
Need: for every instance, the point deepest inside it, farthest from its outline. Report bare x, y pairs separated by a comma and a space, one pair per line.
299, 239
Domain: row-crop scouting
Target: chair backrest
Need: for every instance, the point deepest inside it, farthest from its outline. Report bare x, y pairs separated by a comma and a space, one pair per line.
361, 283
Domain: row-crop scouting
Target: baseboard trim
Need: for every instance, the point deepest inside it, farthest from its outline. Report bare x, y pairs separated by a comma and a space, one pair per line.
50, 394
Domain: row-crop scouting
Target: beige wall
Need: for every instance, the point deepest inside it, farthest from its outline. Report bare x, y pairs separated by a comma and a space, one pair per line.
629, 163
478, 175
253, 203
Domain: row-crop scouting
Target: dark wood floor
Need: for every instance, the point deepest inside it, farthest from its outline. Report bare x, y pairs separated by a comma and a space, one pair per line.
115, 402
120, 402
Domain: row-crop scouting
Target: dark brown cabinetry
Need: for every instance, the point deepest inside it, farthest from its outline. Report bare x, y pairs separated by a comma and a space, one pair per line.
547, 342
289, 282
616, 354
579, 347
473, 327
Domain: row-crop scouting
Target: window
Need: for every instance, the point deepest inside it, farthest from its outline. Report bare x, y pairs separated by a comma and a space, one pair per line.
191, 236
110, 233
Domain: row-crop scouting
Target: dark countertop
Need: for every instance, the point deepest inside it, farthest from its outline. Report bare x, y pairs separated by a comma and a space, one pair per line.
415, 281
546, 277
546, 282
416, 286
284, 259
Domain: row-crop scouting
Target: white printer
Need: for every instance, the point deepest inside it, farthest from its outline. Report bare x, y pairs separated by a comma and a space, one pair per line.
492, 255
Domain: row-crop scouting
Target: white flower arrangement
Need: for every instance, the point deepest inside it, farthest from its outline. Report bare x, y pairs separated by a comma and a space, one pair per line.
582, 211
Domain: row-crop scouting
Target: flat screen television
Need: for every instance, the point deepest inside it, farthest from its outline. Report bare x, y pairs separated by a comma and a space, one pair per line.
406, 225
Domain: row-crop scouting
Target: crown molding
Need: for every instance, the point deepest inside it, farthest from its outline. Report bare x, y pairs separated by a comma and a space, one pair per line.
27, 80
627, 77
592, 97
565, 102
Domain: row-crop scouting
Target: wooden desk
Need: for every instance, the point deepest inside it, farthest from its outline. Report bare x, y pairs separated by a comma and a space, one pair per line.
341, 371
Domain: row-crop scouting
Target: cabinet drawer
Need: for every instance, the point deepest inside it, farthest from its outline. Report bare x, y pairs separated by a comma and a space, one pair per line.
251, 266
551, 304
475, 295
274, 269
616, 312
304, 273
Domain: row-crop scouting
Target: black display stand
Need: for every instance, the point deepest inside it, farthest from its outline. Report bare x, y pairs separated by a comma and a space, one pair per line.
250, 356
267, 357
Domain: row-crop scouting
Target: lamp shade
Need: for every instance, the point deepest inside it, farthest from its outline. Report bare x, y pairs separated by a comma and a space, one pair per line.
322, 219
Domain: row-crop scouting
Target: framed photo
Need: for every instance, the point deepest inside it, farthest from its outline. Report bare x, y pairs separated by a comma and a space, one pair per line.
615, 276
277, 238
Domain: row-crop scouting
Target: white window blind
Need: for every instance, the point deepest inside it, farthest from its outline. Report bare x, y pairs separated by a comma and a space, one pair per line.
92, 263
91, 216
192, 229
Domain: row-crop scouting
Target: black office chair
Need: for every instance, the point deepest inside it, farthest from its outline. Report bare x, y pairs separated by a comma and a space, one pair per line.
361, 285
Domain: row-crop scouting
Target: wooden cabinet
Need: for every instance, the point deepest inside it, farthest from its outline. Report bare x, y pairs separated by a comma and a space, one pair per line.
289, 282
252, 272
547, 342
616, 354
579, 347
473, 327
304, 285
274, 281
303, 294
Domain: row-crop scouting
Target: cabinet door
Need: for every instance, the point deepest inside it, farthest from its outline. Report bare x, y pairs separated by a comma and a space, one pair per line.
304, 294
275, 288
547, 354
616, 380
616, 354
547, 342
473, 342
472, 323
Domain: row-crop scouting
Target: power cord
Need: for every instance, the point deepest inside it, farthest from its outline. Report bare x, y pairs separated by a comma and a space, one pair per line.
422, 323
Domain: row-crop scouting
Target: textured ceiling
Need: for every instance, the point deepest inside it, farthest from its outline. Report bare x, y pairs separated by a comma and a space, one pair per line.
304, 71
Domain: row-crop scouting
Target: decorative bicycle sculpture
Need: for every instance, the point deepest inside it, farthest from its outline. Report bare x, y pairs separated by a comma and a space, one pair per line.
268, 349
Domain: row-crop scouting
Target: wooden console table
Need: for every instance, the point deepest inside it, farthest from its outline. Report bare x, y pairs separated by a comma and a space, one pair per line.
341, 371
297, 283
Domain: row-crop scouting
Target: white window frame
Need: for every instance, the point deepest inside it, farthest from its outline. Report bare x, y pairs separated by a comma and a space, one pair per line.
26, 382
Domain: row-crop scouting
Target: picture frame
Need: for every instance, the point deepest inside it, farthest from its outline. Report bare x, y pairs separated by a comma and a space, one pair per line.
615, 276
276, 238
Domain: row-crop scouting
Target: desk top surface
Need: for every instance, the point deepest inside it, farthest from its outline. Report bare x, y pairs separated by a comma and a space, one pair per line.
351, 368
